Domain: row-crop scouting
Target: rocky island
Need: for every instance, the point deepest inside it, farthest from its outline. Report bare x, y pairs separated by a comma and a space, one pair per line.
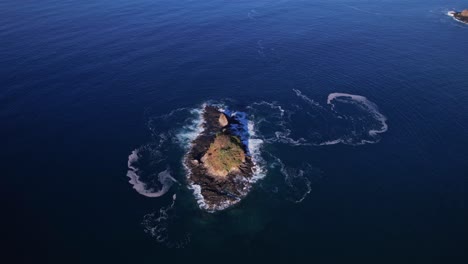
219, 164
460, 16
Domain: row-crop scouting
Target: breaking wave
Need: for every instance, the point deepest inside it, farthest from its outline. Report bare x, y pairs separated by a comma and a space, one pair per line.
255, 148
191, 130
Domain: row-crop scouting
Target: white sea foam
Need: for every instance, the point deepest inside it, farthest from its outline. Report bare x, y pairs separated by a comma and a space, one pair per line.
296, 179
255, 146
284, 136
452, 14
203, 205
198, 196
272, 105
164, 178
192, 130
185, 137
307, 99
368, 105
157, 224
270, 123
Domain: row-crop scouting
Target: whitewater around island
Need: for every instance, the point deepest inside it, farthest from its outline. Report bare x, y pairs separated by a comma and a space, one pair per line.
241, 127
260, 123
222, 162
166, 164
461, 17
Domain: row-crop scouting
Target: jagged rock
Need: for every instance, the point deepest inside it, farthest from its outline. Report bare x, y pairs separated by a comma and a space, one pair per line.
223, 121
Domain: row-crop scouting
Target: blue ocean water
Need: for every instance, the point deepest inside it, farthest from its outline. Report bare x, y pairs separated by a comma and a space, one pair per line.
84, 83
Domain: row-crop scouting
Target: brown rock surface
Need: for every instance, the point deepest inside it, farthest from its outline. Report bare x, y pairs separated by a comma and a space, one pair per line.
225, 155
223, 121
218, 163
461, 16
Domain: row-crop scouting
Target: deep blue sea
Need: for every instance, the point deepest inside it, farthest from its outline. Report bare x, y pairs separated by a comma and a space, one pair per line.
359, 111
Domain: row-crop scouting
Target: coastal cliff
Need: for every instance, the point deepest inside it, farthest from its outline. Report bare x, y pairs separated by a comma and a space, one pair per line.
218, 162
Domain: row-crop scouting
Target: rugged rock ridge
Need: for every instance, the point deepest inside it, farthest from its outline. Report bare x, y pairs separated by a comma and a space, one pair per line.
218, 162
461, 16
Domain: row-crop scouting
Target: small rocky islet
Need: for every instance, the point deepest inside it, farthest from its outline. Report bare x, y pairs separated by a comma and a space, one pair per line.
219, 164
460, 16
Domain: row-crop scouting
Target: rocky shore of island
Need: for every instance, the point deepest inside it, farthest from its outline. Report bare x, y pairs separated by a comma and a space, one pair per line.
218, 162
460, 16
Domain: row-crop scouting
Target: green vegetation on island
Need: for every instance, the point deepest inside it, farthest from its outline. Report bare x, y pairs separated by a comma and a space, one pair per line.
225, 155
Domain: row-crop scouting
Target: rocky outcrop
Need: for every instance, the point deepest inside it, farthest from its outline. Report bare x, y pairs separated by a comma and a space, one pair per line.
223, 121
218, 162
460, 16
